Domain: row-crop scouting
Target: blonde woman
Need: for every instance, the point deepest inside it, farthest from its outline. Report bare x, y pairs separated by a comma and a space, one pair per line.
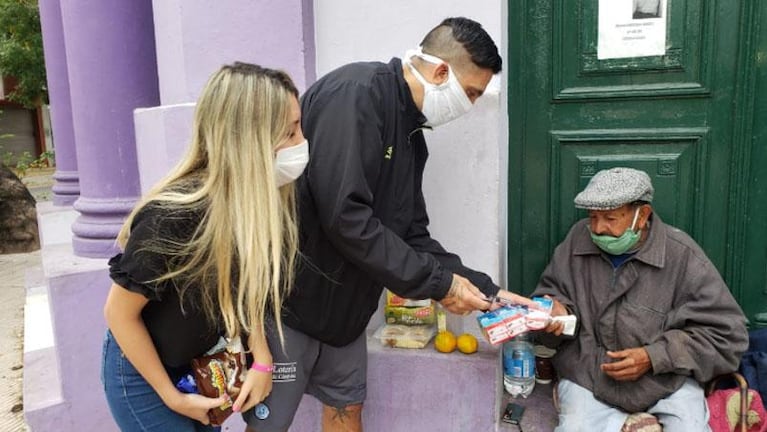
208, 253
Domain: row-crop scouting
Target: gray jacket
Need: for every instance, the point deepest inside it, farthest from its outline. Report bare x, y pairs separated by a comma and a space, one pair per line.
668, 298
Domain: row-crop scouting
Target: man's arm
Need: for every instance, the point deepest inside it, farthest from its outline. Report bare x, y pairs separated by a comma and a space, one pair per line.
708, 333
555, 283
344, 132
419, 238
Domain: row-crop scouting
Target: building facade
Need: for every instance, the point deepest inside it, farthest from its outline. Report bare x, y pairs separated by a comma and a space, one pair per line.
123, 80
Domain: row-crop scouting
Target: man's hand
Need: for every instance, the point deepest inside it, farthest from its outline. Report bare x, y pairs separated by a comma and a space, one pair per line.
463, 297
557, 309
512, 298
629, 365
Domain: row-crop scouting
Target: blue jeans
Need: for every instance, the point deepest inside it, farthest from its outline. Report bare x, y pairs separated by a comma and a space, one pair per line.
682, 411
134, 404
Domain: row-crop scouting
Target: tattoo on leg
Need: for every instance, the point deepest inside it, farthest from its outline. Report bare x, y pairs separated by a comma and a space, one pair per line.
341, 414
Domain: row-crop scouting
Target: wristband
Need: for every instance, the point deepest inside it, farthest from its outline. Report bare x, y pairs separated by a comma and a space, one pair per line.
262, 367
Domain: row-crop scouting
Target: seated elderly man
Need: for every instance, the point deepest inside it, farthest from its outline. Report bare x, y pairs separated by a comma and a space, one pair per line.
655, 318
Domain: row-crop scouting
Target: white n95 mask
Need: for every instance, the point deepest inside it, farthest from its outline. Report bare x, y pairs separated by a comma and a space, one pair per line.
441, 102
290, 162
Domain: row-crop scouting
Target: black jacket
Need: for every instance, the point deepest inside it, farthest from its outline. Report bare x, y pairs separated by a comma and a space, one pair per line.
363, 221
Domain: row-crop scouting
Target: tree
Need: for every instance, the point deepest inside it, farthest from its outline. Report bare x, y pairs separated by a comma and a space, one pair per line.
21, 51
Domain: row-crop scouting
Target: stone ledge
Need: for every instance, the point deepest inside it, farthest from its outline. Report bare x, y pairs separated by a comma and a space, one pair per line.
61, 377
55, 223
428, 390
44, 405
420, 389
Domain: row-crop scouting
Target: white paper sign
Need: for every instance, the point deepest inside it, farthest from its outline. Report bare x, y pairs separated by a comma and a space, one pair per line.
631, 28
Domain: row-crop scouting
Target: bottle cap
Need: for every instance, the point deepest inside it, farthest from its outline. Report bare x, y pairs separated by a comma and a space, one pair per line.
544, 351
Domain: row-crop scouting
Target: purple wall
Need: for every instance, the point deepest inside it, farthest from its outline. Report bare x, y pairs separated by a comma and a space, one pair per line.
194, 38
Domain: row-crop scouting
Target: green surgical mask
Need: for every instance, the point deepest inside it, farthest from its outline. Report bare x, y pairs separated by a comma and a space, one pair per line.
618, 245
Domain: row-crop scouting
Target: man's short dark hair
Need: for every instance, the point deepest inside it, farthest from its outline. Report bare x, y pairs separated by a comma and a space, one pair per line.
470, 35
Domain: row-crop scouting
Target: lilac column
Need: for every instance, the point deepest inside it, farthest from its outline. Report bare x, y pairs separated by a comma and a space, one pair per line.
112, 70
66, 188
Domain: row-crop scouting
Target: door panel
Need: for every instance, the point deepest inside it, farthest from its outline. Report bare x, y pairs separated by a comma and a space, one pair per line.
672, 158
578, 74
679, 117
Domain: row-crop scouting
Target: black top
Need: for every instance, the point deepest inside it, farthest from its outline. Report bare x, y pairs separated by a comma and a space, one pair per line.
363, 221
178, 335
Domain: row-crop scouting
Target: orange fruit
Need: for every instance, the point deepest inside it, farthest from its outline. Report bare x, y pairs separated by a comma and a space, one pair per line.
467, 343
445, 342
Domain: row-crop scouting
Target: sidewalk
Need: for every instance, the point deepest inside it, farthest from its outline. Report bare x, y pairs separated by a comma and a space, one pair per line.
18, 271
15, 269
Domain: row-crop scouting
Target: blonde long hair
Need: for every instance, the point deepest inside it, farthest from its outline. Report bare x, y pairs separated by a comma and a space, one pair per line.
248, 225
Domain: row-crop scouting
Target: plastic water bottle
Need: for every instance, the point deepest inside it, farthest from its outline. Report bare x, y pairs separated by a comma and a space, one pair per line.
519, 366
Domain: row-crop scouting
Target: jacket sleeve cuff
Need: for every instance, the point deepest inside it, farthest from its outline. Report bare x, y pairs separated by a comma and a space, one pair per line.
489, 289
660, 361
445, 279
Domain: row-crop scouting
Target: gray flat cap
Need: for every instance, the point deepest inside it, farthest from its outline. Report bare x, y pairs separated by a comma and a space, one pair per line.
615, 187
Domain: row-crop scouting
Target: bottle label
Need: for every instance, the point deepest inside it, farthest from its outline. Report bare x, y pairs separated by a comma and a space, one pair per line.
520, 365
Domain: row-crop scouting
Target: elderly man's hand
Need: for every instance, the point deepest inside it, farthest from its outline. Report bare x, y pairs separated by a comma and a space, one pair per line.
555, 327
629, 365
557, 309
463, 297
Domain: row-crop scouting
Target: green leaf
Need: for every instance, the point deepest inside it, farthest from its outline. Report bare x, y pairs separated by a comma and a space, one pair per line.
21, 51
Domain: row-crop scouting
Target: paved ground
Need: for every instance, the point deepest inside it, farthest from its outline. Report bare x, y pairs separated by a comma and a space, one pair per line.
15, 270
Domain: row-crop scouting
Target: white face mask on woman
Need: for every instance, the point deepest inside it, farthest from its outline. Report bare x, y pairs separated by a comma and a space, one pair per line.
441, 102
290, 162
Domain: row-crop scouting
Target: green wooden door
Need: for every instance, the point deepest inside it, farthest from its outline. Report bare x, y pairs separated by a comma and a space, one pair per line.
689, 118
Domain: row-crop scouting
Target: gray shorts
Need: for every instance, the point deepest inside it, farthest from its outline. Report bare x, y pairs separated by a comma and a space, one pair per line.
335, 375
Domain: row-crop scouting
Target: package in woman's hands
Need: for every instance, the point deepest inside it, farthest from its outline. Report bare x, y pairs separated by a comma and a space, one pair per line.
221, 372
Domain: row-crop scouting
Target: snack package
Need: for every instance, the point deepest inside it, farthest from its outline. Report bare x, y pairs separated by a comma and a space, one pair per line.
395, 300
404, 336
537, 321
569, 321
544, 304
504, 323
511, 320
400, 310
219, 373
410, 315
186, 384
539, 317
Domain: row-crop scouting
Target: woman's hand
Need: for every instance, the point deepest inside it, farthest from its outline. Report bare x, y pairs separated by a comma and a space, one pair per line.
256, 388
123, 315
195, 406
